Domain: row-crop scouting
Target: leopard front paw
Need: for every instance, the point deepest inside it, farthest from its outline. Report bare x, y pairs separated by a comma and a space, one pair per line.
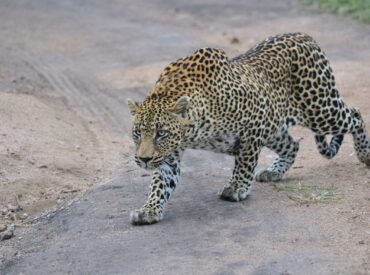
234, 194
145, 216
266, 175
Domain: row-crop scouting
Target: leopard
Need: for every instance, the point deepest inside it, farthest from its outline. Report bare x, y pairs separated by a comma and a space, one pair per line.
237, 106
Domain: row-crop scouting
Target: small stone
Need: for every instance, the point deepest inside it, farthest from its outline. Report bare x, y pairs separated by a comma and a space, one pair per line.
361, 242
2, 227
234, 40
12, 208
23, 216
8, 233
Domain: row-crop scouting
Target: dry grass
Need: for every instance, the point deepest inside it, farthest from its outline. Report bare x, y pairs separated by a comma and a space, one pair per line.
309, 194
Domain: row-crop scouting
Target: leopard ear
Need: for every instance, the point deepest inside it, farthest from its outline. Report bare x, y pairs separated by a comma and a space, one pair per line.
180, 107
133, 106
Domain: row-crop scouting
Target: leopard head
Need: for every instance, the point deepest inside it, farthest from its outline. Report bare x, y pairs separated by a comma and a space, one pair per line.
157, 129
160, 121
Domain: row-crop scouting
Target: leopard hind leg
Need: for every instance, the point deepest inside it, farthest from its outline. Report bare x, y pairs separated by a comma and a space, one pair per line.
361, 138
348, 121
286, 148
328, 150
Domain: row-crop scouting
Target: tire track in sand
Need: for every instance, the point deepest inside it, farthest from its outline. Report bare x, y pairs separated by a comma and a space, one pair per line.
82, 95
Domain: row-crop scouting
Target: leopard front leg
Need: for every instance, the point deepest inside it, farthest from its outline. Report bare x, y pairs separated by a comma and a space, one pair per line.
241, 181
164, 180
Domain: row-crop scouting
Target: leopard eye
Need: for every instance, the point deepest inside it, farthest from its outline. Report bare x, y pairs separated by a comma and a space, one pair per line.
161, 134
136, 133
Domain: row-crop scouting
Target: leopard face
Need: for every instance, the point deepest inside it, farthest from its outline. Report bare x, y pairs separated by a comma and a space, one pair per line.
157, 131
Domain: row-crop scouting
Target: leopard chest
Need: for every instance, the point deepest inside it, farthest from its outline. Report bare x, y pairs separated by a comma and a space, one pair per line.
225, 142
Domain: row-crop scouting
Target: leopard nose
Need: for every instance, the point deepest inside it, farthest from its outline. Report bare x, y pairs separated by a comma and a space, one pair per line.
145, 160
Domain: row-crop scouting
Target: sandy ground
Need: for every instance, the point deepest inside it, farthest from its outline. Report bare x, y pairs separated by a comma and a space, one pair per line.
48, 153
66, 69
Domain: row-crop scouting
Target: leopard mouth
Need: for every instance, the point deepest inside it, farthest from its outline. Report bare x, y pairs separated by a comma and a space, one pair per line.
156, 162
152, 164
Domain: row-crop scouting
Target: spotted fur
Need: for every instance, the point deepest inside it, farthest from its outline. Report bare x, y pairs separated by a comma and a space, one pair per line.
237, 106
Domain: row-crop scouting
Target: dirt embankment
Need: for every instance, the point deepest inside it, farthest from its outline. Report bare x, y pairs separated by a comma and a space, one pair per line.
47, 155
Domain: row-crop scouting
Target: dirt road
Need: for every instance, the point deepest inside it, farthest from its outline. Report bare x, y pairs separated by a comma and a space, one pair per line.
94, 55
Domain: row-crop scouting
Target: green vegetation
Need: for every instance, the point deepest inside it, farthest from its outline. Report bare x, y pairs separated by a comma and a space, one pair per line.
309, 194
358, 9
